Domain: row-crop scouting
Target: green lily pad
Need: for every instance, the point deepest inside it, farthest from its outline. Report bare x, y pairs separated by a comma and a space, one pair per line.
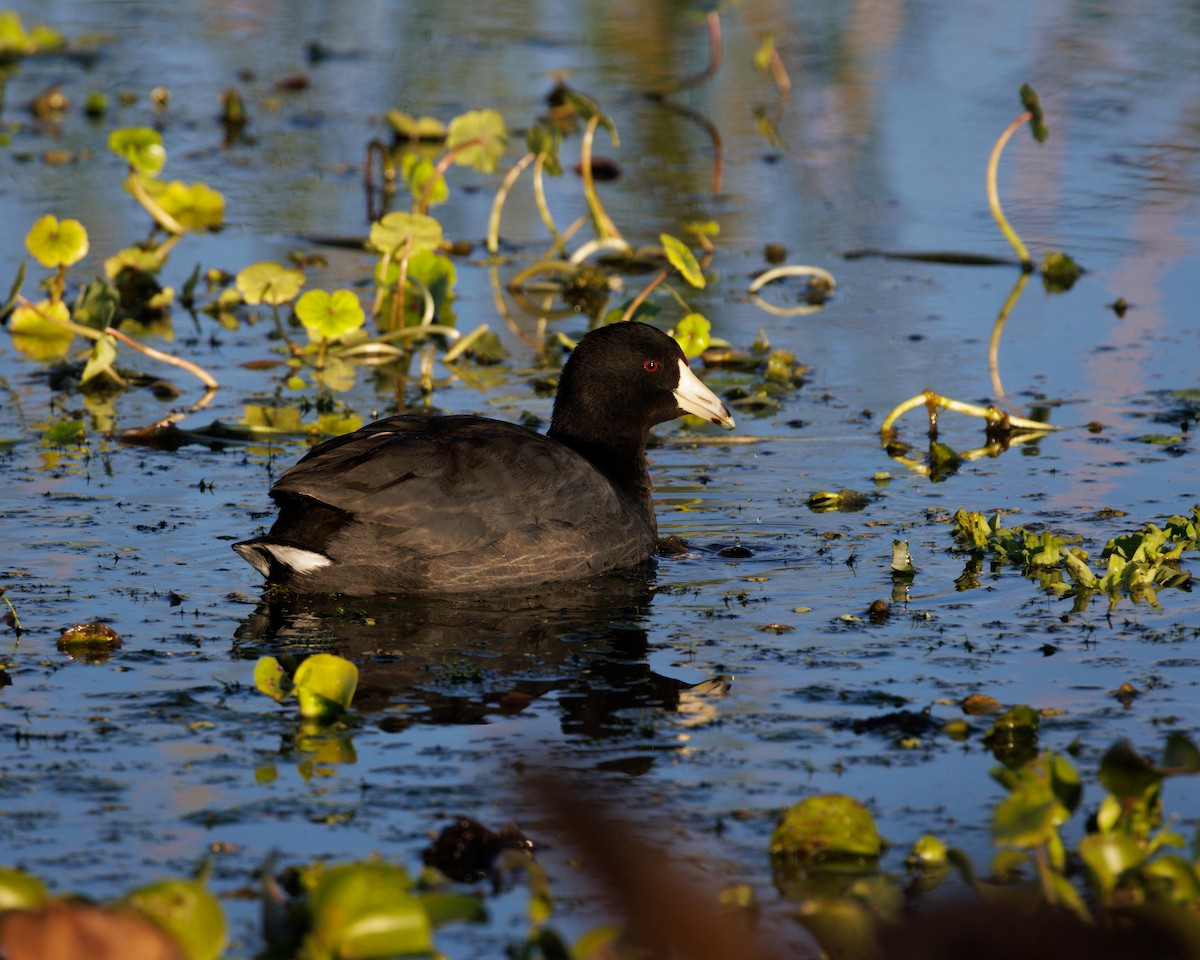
325, 685
392, 232
486, 127
188, 912
829, 826
1108, 855
1037, 122
56, 243
417, 172
1126, 774
328, 316
104, 354
36, 336
270, 678
415, 128
694, 334
195, 207
366, 910
269, 282
544, 140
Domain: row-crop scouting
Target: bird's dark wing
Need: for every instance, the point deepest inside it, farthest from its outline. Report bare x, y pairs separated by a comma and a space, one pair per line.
448, 500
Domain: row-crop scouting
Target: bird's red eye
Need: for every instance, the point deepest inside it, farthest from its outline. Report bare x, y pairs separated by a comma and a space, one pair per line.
650, 366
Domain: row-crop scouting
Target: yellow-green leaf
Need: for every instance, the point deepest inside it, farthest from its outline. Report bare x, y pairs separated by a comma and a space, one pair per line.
104, 352
694, 334
392, 232
57, 244
329, 316
486, 135
416, 128
38, 337
325, 685
270, 678
189, 912
417, 172
195, 207
682, 260
269, 282
141, 147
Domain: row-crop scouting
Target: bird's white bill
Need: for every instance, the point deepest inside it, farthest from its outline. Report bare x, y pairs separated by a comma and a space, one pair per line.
694, 397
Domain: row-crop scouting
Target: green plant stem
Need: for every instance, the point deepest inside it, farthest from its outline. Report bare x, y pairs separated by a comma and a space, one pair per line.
439, 172
59, 284
641, 297
293, 348
401, 290
605, 228
17, 628
933, 402
385, 163
493, 234
539, 196
542, 266
1043, 869
998, 328
134, 184
715, 47
90, 333
994, 194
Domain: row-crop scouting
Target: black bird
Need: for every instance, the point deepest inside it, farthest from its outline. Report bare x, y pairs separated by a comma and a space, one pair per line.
421, 504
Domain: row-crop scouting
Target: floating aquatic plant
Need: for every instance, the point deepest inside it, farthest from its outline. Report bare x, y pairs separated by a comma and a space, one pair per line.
1138, 565
322, 684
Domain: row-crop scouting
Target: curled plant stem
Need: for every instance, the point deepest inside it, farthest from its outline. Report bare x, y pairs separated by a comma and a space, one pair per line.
998, 328
594, 246
715, 47
542, 266
12, 612
385, 164
994, 194
933, 402
605, 228
464, 343
493, 234
539, 195
790, 270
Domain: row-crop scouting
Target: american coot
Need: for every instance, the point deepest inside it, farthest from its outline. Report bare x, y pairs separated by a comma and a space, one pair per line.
449, 504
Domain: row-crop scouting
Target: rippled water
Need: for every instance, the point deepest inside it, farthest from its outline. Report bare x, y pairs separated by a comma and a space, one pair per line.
117, 772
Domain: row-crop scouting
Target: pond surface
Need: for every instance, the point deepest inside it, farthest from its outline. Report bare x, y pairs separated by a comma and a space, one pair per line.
117, 772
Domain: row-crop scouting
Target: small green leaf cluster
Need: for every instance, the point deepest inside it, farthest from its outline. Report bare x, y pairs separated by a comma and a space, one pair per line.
175, 206
1126, 853
1138, 565
17, 42
826, 849
476, 139
367, 909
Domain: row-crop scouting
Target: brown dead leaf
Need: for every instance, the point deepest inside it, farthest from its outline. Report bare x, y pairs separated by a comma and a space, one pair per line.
72, 931
978, 704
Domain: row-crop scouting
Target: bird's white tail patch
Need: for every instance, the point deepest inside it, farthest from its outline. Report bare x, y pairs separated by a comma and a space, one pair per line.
297, 559
262, 555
